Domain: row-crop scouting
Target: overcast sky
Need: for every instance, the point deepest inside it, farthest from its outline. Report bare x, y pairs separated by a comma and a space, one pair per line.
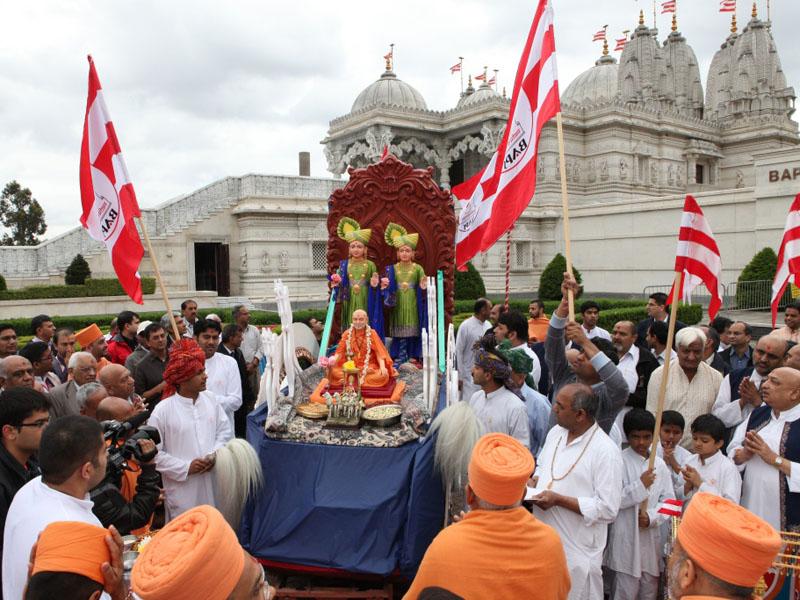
204, 89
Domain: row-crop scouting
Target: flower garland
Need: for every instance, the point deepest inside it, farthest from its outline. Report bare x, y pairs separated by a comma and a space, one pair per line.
349, 349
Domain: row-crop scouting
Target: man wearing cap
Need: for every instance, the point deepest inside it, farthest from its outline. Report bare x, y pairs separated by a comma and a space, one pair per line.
766, 447
196, 556
496, 407
722, 551
490, 552
579, 484
192, 425
92, 340
141, 350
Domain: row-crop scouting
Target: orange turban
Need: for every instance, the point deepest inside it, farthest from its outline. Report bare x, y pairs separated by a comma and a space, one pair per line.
728, 541
196, 555
185, 360
72, 547
499, 468
88, 335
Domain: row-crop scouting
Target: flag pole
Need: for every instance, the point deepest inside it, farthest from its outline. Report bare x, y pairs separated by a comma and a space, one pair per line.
461, 72
508, 263
158, 278
662, 390
565, 209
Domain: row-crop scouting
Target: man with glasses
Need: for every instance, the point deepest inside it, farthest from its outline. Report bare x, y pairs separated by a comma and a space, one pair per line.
82, 369
24, 413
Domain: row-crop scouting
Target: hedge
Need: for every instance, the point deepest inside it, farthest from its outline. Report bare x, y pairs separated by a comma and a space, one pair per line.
92, 287
464, 306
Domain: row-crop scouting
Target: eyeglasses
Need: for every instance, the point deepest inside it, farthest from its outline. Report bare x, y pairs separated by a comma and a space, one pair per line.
37, 424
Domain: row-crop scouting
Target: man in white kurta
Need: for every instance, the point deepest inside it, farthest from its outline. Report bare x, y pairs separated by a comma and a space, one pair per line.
224, 380
579, 487
770, 476
470, 331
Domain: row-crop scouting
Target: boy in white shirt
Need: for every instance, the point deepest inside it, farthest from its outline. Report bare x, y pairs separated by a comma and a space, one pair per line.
633, 552
669, 448
708, 470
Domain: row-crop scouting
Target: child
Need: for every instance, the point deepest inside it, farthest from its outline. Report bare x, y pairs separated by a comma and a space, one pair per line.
675, 455
708, 470
634, 546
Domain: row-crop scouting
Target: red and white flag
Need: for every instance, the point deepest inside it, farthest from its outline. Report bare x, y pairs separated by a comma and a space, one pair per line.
493, 199
480, 77
600, 35
388, 56
788, 257
109, 202
668, 7
492, 81
455, 68
670, 507
727, 6
620, 44
698, 257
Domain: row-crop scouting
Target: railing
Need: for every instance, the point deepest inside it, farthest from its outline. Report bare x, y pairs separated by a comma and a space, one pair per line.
737, 295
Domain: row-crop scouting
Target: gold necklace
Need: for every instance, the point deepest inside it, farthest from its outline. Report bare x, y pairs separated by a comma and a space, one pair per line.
553, 478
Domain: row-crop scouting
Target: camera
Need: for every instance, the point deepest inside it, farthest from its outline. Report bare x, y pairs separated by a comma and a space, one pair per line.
131, 431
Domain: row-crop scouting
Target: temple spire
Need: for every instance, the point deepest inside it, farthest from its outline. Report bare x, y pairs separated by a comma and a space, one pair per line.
641, 17
733, 23
755, 10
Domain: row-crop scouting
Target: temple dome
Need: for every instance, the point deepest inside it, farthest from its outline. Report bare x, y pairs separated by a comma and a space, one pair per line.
472, 96
597, 85
681, 89
389, 91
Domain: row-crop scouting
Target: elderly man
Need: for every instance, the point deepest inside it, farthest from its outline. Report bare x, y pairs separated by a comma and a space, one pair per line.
118, 382
740, 354
692, 387
15, 371
791, 317
64, 346
721, 551
470, 332
579, 479
82, 369
496, 536
792, 358
766, 447
739, 393
89, 398
8, 340
594, 365
167, 325
92, 340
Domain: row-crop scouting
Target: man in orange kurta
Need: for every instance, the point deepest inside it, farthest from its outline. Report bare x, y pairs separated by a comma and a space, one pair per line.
380, 367
498, 550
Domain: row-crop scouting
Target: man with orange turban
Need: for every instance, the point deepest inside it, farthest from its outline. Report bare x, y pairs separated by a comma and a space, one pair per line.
76, 561
92, 340
722, 550
195, 556
498, 550
192, 425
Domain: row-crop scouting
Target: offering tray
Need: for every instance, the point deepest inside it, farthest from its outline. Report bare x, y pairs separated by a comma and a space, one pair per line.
312, 410
384, 415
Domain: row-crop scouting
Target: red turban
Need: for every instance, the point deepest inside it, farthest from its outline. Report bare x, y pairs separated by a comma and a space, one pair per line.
185, 360
499, 469
72, 547
728, 541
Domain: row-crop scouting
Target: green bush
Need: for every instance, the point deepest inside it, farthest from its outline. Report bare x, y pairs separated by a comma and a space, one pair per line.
469, 284
553, 275
762, 268
3, 286
92, 287
78, 271
466, 306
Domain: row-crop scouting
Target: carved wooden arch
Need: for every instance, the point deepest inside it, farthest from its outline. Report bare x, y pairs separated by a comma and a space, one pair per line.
394, 191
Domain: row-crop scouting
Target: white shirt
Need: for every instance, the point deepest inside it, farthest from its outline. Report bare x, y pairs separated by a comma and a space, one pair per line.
536, 369
34, 507
682, 455
761, 485
596, 332
251, 344
632, 550
731, 413
188, 430
720, 476
469, 332
690, 398
225, 382
501, 411
596, 482
627, 366
663, 356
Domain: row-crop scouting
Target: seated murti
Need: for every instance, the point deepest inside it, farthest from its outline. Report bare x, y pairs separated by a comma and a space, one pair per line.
361, 345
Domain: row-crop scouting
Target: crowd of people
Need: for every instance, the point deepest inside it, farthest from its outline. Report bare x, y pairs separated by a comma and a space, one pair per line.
562, 497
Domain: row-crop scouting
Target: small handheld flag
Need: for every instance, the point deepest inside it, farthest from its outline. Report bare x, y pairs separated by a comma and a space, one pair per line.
670, 507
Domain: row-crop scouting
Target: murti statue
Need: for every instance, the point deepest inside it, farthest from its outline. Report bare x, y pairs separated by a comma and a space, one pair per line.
361, 344
357, 278
404, 296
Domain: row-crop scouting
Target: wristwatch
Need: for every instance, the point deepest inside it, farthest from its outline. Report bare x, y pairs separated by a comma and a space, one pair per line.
778, 461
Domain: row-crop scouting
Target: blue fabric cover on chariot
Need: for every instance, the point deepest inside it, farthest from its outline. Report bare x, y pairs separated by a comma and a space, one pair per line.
362, 510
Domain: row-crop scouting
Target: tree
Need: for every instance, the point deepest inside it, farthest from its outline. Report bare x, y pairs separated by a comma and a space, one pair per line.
22, 215
77, 271
760, 269
552, 276
469, 284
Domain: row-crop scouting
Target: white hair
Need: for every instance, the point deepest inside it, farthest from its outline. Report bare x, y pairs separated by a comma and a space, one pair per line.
238, 475
86, 391
77, 357
214, 317
689, 335
459, 431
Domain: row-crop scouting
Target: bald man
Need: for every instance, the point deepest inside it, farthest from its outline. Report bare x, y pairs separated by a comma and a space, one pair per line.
118, 382
766, 446
15, 371
112, 408
792, 358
